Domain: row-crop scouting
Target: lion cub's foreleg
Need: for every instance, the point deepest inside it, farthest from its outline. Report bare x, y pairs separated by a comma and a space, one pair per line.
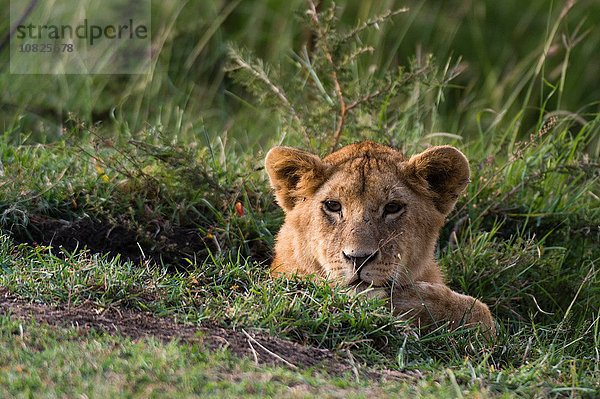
431, 303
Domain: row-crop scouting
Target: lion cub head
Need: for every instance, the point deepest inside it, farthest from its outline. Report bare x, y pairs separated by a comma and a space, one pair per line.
363, 214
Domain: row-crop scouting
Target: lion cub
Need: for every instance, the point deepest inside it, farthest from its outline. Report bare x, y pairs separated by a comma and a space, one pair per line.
365, 216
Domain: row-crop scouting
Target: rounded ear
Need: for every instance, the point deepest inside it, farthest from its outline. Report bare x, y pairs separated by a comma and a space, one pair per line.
293, 174
445, 170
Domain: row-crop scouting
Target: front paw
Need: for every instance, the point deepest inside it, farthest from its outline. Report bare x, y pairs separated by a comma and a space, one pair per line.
479, 314
429, 304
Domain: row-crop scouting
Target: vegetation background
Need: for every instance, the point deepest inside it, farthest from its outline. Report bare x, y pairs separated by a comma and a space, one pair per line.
164, 170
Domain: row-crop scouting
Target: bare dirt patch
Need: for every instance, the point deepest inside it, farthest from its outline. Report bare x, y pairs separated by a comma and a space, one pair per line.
158, 242
263, 349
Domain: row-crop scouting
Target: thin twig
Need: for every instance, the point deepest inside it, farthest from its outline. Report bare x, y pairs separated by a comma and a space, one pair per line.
366, 98
406, 77
253, 351
338, 89
374, 22
275, 355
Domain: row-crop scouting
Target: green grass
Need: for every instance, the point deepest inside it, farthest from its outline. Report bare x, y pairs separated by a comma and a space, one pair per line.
178, 152
43, 362
536, 353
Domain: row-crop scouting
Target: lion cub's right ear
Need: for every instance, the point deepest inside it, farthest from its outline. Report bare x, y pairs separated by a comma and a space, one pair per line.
294, 174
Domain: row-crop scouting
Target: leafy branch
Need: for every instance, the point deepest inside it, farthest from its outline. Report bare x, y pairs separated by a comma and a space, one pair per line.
259, 73
323, 97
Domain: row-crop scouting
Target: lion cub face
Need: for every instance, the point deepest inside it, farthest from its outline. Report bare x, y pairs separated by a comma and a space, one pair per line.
363, 214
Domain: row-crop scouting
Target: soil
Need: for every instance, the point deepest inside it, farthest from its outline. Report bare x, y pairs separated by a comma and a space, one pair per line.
263, 349
167, 246
158, 242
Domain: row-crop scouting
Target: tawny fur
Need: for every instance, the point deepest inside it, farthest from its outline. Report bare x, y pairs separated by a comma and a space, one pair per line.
362, 179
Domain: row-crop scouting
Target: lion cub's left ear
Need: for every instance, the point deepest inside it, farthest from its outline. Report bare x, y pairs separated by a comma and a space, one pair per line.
445, 170
294, 174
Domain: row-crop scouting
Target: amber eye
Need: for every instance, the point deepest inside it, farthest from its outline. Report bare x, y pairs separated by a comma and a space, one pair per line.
332, 206
392, 208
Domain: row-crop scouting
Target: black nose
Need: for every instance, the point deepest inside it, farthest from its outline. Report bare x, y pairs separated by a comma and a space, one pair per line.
360, 260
